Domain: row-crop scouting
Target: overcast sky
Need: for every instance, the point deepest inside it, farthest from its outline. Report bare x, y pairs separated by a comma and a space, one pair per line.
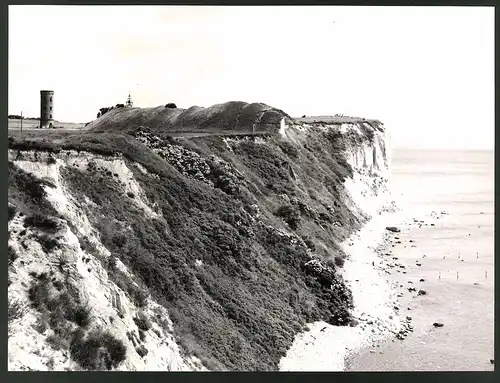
426, 72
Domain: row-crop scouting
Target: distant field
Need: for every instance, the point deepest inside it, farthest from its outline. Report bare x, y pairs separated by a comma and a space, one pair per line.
30, 124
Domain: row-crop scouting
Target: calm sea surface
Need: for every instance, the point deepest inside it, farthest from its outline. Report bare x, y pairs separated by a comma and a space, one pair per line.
458, 182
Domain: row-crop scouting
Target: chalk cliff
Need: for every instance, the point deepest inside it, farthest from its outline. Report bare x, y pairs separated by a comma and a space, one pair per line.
133, 250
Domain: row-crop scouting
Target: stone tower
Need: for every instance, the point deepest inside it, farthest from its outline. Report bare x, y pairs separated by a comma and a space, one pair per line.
46, 108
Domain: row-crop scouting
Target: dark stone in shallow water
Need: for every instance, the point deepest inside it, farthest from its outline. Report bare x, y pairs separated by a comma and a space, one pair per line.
422, 292
492, 361
437, 324
393, 229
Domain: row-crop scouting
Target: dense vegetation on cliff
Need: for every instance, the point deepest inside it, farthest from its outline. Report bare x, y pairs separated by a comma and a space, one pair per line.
242, 248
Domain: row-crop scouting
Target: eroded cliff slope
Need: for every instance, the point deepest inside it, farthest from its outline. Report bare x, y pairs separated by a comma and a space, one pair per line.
134, 250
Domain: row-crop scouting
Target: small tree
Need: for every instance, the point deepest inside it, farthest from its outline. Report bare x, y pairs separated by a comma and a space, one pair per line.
103, 111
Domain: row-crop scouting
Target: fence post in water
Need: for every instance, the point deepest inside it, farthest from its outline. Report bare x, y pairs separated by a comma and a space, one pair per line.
486, 274
440, 275
457, 274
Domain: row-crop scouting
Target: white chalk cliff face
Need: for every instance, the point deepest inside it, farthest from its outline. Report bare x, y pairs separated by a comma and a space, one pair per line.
31, 344
371, 161
369, 154
375, 155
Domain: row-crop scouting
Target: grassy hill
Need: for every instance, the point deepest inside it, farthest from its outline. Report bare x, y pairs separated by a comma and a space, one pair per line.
232, 116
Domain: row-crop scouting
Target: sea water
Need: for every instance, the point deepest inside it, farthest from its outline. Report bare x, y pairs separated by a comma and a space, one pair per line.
460, 183
458, 267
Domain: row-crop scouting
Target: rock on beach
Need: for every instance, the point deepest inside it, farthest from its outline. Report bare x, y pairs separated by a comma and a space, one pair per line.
393, 229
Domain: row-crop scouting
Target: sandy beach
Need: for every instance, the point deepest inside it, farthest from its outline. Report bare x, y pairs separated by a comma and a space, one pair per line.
325, 347
457, 277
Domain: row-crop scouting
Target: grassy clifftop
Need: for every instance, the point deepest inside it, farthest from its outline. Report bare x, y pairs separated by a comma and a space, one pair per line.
243, 246
234, 116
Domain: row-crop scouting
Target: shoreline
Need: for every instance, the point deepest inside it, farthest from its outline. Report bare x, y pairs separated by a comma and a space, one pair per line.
325, 347
431, 284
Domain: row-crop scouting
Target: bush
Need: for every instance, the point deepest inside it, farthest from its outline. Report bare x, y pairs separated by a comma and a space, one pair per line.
99, 351
142, 321
289, 149
142, 351
142, 335
103, 111
81, 316
41, 222
12, 255
48, 243
12, 211
57, 342
16, 310
309, 243
38, 292
26, 183
59, 311
137, 294
290, 214
339, 260
42, 323
171, 105
112, 264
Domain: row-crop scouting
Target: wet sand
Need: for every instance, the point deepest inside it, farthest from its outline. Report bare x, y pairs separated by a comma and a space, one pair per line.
435, 250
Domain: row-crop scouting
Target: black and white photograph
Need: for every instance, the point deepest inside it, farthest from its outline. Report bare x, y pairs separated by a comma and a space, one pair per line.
251, 188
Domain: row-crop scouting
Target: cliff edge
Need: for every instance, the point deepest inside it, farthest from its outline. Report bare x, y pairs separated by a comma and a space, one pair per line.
133, 250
